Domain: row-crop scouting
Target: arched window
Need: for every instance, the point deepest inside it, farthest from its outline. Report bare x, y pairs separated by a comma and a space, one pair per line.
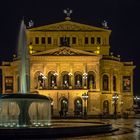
105, 82
78, 107
106, 107
78, 81
52, 79
114, 83
66, 81
40, 80
91, 81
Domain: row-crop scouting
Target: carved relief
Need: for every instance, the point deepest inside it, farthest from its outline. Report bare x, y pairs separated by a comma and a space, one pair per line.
64, 52
68, 27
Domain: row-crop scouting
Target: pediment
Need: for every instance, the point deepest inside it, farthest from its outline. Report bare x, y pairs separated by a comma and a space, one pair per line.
67, 26
63, 51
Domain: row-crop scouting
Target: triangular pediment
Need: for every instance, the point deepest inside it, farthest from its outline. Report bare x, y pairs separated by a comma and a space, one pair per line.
63, 51
68, 26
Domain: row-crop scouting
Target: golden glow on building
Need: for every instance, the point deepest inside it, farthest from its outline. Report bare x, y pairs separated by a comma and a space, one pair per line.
68, 59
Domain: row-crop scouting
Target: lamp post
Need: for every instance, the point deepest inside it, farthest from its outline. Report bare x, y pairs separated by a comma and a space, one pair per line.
115, 98
85, 97
136, 100
136, 106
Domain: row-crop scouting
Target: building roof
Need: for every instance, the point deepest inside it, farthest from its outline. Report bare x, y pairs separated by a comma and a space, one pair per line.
68, 26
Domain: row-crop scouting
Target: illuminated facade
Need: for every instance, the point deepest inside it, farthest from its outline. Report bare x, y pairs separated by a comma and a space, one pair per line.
68, 59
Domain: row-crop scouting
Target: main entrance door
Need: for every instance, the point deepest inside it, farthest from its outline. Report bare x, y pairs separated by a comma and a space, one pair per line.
64, 107
78, 107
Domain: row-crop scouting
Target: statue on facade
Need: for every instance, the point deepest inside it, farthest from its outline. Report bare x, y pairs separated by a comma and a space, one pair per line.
68, 12
104, 24
64, 42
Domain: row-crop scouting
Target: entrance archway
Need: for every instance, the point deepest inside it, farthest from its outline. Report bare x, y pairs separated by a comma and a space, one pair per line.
64, 107
78, 106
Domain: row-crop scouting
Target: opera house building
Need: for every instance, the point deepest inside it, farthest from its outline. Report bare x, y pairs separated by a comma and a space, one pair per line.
71, 63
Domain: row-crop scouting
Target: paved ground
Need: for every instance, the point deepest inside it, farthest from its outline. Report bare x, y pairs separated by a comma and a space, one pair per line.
128, 131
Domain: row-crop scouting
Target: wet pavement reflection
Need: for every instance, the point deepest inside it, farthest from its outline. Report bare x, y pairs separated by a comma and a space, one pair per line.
129, 129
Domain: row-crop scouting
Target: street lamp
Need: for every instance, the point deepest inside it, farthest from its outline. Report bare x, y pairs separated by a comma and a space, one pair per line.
115, 98
85, 97
136, 100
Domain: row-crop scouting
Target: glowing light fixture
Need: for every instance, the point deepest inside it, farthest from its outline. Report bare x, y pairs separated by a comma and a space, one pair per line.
70, 74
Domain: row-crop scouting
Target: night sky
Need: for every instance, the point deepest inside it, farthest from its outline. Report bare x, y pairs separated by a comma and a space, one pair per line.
123, 17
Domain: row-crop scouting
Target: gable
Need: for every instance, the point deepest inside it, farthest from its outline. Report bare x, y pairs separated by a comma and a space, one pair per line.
68, 26
63, 51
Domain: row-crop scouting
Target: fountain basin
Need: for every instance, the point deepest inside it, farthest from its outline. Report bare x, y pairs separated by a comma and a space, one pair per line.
24, 110
28, 116
58, 129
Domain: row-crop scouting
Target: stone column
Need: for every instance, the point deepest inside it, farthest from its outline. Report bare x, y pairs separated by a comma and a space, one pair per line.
85, 77
97, 78
71, 76
46, 74
58, 77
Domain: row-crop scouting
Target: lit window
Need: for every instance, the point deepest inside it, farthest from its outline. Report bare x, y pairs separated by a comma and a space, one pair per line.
36, 40
43, 40
86, 40
49, 40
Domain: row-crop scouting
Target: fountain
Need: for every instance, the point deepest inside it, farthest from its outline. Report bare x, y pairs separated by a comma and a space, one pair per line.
24, 109
26, 115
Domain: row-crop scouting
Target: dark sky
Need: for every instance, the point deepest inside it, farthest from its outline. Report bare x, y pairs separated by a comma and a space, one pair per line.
123, 18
